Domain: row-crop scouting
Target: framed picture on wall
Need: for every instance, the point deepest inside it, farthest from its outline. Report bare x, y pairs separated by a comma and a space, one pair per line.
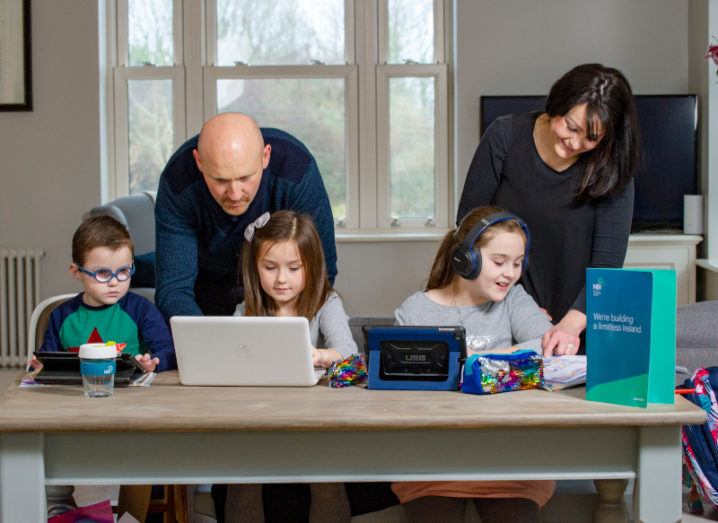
15, 70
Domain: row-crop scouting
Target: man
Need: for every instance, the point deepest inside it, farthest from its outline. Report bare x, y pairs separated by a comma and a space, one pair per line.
215, 185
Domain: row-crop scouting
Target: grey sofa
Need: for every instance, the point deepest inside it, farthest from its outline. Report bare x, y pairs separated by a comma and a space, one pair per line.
697, 335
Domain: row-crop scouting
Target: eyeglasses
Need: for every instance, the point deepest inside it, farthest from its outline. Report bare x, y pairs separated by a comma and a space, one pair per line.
105, 274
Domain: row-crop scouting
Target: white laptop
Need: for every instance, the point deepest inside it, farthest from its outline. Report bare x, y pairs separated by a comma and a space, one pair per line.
244, 350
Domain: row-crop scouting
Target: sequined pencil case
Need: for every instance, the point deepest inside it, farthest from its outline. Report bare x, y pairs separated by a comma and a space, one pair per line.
493, 373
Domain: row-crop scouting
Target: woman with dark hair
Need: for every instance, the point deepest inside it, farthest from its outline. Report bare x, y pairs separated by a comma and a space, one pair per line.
568, 172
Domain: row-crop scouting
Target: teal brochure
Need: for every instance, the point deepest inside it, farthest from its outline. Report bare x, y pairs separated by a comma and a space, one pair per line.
630, 336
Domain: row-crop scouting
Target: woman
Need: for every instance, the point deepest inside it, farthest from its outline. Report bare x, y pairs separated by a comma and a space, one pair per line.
568, 172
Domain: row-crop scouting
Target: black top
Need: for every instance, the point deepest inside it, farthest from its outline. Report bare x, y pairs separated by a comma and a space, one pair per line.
566, 237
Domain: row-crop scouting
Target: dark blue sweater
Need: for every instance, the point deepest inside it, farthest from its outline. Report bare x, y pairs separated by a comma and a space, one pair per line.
133, 320
198, 244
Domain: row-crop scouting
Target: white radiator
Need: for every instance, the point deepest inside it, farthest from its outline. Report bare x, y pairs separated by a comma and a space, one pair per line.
19, 294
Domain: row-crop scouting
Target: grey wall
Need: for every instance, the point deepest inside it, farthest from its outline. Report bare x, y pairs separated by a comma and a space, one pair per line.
521, 46
375, 277
50, 157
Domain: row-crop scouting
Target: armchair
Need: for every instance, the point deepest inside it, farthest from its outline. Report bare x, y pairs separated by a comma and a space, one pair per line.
137, 213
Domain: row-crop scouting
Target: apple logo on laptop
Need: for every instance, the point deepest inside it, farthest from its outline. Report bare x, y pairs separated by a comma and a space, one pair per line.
243, 352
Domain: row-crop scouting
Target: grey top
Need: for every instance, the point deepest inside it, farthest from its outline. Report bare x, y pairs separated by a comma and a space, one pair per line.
329, 328
516, 320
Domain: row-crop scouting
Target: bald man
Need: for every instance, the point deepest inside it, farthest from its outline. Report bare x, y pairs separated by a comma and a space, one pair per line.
216, 184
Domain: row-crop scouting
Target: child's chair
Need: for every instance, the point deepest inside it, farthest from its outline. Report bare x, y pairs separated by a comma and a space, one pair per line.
40, 319
59, 497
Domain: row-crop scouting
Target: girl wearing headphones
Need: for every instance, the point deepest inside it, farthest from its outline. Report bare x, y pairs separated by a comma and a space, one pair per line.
568, 171
473, 284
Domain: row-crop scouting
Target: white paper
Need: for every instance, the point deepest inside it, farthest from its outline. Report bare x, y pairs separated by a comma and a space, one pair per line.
560, 372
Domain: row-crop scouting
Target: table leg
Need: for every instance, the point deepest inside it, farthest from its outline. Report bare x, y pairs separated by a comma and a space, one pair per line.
611, 507
22, 478
59, 499
657, 491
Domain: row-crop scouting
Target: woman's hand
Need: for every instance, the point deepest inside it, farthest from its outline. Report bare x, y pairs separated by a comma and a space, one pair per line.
148, 362
563, 338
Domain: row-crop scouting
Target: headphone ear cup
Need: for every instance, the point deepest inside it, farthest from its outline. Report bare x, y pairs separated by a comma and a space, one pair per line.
478, 262
465, 262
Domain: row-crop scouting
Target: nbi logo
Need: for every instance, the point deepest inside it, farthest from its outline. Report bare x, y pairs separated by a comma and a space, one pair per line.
597, 286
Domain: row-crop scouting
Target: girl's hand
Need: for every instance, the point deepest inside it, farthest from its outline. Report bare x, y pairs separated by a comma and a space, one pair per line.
317, 359
148, 362
325, 357
563, 338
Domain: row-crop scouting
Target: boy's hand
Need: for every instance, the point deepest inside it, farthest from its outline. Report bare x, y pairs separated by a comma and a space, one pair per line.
148, 362
34, 364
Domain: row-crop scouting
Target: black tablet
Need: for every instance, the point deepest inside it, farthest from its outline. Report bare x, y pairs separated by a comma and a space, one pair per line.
63, 368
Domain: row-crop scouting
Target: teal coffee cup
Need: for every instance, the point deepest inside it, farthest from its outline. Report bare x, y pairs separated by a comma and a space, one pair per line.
98, 366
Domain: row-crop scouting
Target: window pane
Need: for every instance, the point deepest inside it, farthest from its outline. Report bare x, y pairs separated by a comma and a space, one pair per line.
149, 107
313, 110
289, 32
411, 147
150, 32
411, 31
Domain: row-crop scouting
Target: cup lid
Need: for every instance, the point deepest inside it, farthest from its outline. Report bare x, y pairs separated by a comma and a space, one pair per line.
97, 351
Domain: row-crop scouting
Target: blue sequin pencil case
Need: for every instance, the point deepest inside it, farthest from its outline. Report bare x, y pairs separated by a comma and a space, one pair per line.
493, 373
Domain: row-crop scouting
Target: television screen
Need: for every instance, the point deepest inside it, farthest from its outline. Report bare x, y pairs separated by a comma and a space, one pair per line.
669, 132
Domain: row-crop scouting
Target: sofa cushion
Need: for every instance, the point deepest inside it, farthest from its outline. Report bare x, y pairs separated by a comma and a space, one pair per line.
697, 325
356, 323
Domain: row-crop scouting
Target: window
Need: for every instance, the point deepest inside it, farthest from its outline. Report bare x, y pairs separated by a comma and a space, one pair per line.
363, 83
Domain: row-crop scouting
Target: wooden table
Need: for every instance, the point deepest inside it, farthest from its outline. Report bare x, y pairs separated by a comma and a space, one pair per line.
173, 434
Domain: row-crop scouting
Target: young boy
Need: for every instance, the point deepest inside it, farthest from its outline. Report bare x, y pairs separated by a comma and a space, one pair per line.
102, 260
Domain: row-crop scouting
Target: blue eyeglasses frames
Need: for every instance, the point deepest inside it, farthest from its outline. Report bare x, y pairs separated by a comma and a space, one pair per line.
105, 274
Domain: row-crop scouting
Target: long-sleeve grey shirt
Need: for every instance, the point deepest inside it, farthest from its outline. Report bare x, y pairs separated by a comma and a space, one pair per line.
329, 329
516, 320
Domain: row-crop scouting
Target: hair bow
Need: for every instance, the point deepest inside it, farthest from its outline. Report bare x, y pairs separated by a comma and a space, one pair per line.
256, 224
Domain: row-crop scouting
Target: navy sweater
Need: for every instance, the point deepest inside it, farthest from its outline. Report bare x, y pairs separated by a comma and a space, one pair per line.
198, 244
133, 320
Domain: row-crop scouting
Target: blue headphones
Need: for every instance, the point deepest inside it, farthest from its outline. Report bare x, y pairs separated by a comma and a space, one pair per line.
466, 260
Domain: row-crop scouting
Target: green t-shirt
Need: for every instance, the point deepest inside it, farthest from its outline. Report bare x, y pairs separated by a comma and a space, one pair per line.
88, 325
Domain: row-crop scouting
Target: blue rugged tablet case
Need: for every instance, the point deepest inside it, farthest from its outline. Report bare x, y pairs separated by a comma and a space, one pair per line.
415, 357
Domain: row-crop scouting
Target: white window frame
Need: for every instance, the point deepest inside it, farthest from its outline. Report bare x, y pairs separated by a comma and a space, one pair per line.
437, 71
123, 74
366, 75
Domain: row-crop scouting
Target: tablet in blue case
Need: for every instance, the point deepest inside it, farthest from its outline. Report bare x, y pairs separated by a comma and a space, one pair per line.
415, 357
